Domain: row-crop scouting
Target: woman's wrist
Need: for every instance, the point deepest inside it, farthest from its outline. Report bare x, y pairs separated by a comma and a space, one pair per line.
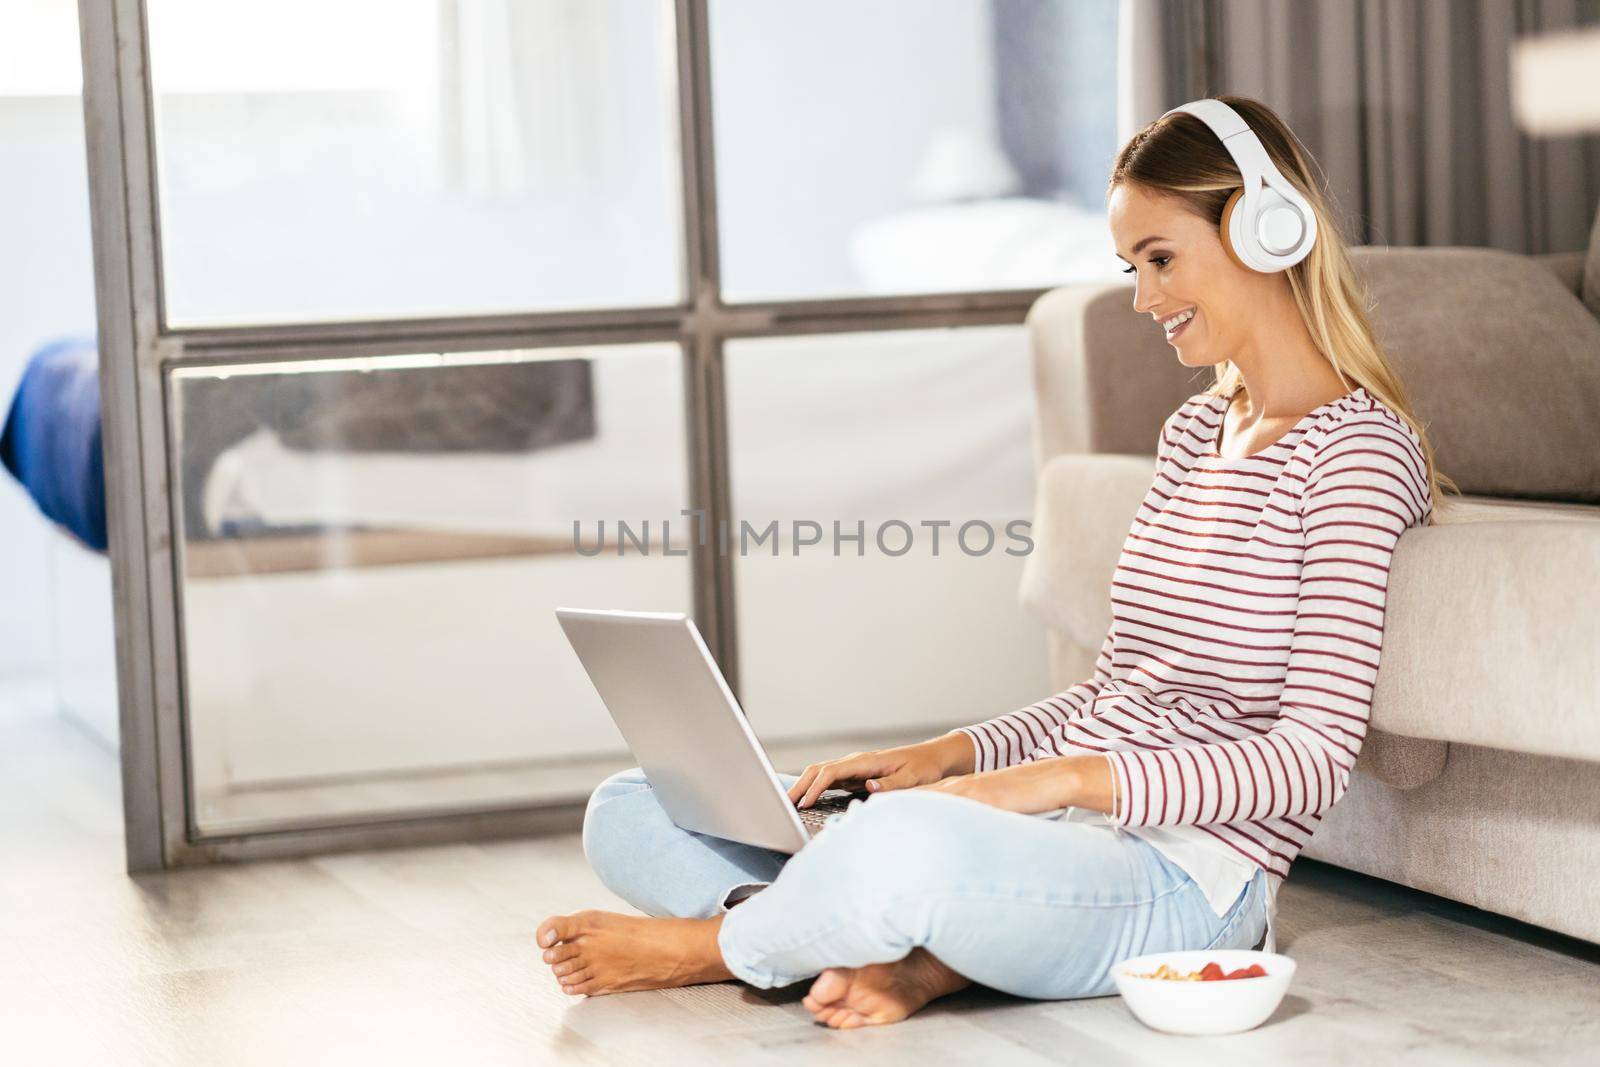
1086, 782
954, 753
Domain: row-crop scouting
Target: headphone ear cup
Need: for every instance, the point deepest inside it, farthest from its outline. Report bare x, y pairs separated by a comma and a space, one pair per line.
1227, 228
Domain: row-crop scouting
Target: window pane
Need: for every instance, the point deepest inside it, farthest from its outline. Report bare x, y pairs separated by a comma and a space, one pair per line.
860, 150
372, 550
382, 158
917, 632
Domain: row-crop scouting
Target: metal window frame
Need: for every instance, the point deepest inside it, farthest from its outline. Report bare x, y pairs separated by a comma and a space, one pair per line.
138, 349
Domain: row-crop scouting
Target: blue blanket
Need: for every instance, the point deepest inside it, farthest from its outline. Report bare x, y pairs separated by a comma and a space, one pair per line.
51, 439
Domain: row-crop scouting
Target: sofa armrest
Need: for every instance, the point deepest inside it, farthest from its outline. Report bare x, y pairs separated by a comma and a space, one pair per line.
1083, 507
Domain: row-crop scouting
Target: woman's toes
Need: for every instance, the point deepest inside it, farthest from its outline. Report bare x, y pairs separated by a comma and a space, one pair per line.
560, 953
576, 978
554, 929
567, 967
830, 986
826, 1015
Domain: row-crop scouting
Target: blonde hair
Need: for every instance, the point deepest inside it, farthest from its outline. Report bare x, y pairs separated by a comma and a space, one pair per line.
1179, 156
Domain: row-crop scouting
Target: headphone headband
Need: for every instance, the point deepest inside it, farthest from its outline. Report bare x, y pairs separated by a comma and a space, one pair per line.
1274, 227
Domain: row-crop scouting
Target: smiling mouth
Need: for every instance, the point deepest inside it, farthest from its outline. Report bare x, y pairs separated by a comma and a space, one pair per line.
1173, 335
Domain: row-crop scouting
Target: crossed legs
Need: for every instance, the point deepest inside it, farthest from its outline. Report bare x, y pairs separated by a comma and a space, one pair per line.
903, 898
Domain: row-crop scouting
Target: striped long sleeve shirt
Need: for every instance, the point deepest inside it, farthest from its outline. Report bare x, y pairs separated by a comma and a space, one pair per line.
1232, 691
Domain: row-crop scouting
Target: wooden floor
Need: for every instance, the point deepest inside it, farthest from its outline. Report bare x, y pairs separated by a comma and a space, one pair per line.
426, 956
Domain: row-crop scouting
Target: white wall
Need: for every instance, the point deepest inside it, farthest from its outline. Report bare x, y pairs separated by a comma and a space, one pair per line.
46, 290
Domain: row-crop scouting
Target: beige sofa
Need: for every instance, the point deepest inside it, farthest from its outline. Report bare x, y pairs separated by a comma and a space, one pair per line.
1480, 778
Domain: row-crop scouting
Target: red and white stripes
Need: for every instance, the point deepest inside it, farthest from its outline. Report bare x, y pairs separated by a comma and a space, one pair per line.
1232, 692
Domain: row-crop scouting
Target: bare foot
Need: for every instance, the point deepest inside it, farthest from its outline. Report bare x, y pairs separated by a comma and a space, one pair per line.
848, 997
595, 952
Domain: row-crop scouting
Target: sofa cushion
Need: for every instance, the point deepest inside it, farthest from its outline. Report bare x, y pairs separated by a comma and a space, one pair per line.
1502, 364
1491, 633
1566, 266
1494, 636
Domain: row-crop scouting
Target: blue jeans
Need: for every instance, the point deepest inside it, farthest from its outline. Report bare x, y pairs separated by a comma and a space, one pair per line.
1024, 904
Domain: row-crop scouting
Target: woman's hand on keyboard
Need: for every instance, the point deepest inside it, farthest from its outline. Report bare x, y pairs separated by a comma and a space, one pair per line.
1038, 785
886, 769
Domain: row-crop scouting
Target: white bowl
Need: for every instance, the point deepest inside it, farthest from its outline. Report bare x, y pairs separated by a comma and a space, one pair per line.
1223, 1007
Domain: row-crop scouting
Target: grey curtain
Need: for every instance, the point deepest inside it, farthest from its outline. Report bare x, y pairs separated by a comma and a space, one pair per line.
1406, 105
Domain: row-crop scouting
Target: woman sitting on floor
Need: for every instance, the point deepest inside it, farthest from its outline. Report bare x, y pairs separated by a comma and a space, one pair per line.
1159, 804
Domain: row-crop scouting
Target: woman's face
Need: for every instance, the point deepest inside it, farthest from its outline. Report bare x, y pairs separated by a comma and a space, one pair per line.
1180, 269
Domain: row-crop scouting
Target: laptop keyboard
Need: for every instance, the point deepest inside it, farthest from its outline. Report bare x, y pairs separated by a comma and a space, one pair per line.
828, 804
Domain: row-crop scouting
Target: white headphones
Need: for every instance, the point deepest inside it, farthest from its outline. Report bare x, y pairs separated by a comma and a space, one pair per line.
1267, 225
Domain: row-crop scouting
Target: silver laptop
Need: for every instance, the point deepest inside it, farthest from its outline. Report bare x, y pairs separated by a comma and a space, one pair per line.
676, 712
